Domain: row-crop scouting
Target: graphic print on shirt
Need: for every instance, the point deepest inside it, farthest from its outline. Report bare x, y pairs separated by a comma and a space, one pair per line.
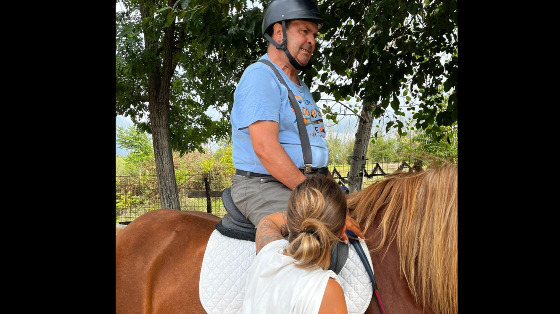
312, 117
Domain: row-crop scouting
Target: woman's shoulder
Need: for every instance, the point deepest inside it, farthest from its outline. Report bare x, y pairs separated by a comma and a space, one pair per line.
333, 299
275, 245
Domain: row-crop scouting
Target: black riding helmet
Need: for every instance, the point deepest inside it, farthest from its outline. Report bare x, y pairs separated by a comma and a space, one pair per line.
285, 10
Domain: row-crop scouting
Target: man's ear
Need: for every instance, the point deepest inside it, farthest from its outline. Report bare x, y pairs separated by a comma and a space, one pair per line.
277, 32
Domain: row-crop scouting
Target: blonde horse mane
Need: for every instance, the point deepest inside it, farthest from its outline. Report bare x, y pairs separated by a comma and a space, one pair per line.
419, 212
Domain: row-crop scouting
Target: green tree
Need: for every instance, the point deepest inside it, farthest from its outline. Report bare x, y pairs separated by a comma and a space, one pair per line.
224, 157
384, 149
119, 167
140, 152
377, 51
216, 166
339, 150
175, 59
430, 144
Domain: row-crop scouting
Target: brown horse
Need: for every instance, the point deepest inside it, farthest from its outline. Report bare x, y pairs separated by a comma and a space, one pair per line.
410, 224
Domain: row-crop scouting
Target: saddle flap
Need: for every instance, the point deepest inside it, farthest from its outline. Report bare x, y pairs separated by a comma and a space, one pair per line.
234, 224
236, 215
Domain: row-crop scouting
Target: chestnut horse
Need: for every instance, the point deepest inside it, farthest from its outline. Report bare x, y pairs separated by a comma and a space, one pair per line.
410, 224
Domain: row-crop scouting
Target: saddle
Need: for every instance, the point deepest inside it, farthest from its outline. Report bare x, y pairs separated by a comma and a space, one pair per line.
235, 225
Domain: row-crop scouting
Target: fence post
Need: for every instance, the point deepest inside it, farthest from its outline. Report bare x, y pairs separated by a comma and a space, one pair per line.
208, 199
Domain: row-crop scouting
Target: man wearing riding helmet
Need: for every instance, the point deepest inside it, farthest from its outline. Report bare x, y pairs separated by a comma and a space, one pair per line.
267, 150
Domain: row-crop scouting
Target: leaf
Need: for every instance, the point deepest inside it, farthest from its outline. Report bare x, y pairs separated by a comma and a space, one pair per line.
163, 9
336, 94
316, 96
181, 4
170, 18
395, 104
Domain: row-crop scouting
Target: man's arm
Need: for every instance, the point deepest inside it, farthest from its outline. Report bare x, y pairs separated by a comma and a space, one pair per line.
264, 136
272, 227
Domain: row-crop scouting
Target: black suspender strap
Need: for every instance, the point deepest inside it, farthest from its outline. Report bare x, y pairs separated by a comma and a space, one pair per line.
305, 146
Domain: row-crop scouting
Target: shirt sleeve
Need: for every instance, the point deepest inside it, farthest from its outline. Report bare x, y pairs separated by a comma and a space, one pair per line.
258, 96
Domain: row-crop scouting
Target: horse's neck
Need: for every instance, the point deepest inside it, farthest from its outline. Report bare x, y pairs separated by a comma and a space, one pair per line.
393, 288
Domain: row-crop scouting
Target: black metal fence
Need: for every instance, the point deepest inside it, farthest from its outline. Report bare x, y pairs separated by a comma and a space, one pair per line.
136, 195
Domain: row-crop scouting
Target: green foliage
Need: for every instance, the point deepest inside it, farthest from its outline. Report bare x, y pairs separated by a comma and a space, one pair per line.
340, 150
383, 149
391, 147
190, 54
213, 42
119, 168
191, 168
435, 144
224, 157
126, 200
378, 51
139, 148
206, 166
438, 137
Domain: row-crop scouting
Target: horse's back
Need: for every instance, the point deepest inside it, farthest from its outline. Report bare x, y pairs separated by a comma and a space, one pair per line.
158, 261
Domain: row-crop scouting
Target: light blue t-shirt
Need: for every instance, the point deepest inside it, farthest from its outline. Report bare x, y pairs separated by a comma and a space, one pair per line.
260, 96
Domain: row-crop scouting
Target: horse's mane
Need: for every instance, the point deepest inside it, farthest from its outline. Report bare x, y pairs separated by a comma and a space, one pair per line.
419, 211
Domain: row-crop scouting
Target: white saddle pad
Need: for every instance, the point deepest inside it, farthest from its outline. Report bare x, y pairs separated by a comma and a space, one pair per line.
224, 269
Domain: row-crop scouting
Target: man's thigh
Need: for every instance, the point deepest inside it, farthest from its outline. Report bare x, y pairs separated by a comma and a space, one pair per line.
257, 197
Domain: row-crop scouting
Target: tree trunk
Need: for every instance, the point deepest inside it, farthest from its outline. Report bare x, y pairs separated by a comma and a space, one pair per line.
358, 160
159, 82
163, 154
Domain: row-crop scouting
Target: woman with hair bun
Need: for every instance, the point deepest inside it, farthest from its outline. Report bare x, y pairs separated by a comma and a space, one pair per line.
291, 275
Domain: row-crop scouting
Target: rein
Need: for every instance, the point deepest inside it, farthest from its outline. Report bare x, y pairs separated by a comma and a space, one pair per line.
363, 258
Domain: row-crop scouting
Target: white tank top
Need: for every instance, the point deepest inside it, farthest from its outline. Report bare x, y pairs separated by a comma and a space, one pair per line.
275, 285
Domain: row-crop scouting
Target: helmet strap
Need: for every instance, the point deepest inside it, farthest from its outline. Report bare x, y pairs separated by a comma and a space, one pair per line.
283, 46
